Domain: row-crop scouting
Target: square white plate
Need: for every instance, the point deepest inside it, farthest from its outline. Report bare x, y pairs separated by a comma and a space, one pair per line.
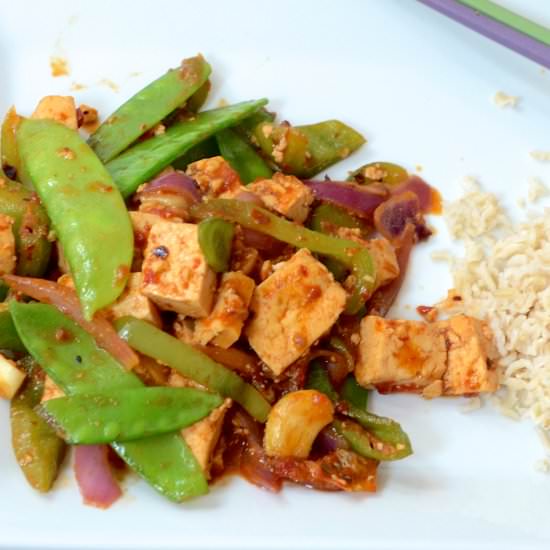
420, 88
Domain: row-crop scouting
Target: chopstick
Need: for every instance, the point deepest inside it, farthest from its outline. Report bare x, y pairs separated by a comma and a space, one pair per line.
496, 30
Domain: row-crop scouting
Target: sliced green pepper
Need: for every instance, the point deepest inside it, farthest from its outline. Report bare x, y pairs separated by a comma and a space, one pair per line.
38, 450
307, 150
215, 239
124, 415
146, 159
148, 107
9, 339
242, 157
10, 156
247, 127
379, 172
77, 365
166, 349
354, 394
86, 209
349, 253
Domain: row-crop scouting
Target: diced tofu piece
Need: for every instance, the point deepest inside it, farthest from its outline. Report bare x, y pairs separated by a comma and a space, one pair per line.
471, 352
175, 273
216, 178
202, 437
450, 357
60, 108
133, 302
141, 223
286, 195
11, 378
292, 309
383, 254
51, 390
223, 326
7, 245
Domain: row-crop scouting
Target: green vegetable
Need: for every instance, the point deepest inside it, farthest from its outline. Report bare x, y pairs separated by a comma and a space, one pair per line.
375, 436
355, 258
247, 127
197, 100
86, 209
10, 156
307, 150
166, 349
148, 107
38, 450
354, 394
205, 149
339, 345
30, 228
379, 172
78, 366
242, 157
9, 339
123, 415
215, 239
146, 159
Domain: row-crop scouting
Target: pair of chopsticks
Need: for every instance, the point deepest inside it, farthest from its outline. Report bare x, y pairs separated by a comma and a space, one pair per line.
499, 24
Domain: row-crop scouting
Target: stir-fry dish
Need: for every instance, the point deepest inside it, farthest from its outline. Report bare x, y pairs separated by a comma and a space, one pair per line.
182, 298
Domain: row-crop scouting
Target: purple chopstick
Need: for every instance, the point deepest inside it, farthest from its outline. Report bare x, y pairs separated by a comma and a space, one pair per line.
515, 40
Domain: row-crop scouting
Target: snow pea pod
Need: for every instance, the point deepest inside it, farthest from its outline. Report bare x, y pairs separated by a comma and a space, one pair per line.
215, 239
38, 450
9, 339
357, 259
124, 415
148, 107
86, 209
146, 159
71, 358
242, 157
190, 362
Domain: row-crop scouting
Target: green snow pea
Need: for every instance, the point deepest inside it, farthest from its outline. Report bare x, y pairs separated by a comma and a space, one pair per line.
124, 415
198, 99
215, 240
205, 149
190, 362
78, 366
242, 157
86, 209
379, 172
148, 107
307, 150
357, 259
38, 450
9, 339
146, 159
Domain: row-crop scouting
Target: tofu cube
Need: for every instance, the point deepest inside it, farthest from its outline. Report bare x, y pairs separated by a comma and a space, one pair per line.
141, 224
292, 308
224, 325
286, 195
394, 352
11, 378
133, 302
471, 352
216, 178
175, 273
60, 108
7, 245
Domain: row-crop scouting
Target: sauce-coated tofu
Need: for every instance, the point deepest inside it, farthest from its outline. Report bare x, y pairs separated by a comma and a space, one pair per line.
60, 108
286, 195
292, 308
7, 245
452, 357
215, 178
175, 273
224, 325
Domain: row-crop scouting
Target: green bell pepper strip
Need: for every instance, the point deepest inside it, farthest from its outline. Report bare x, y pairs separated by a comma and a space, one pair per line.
339, 345
308, 149
247, 127
78, 366
86, 209
148, 107
30, 228
242, 157
9, 339
354, 394
385, 172
355, 258
215, 240
146, 159
159, 345
125, 415
38, 450
376, 437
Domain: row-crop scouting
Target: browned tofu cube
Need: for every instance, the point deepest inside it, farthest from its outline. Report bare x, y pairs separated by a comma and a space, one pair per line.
60, 108
175, 273
215, 178
7, 245
223, 326
292, 308
286, 195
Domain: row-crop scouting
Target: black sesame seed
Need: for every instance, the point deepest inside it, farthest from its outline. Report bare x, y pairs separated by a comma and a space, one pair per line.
78, 359
160, 252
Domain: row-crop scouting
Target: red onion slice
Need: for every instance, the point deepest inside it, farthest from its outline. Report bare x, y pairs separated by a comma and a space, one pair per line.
421, 189
174, 182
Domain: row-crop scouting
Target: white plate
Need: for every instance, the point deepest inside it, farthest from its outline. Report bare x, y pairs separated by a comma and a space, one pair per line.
420, 88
